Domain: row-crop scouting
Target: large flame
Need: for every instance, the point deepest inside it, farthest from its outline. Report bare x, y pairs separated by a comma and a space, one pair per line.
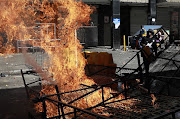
66, 62
15, 16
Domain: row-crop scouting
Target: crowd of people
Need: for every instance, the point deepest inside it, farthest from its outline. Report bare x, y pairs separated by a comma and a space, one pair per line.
148, 39
149, 43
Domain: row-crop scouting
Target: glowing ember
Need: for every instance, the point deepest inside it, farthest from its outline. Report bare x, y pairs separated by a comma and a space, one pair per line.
154, 99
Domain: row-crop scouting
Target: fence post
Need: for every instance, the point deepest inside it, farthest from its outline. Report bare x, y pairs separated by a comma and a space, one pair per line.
102, 95
44, 116
139, 67
124, 40
25, 83
125, 90
58, 99
75, 116
58, 96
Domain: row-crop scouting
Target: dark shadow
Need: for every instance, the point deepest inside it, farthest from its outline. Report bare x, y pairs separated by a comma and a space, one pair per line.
14, 104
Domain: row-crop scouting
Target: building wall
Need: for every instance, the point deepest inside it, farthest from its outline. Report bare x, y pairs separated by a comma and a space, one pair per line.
104, 28
179, 22
132, 18
175, 22
125, 22
138, 17
106, 34
163, 17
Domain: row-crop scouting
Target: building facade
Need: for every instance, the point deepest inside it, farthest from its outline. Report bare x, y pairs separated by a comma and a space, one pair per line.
133, 14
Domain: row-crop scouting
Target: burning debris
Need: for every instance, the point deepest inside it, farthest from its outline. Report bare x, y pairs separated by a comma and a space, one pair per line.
154, 99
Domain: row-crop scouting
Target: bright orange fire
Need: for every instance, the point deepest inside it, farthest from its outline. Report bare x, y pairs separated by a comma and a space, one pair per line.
66, 63
15, 15
154, 99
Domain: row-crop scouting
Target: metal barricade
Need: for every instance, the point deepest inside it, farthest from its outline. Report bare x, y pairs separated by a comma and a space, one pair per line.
36, 50
33, 46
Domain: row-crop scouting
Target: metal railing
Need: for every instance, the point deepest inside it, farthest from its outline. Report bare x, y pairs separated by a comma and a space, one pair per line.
119, 78
77, 111
60, 104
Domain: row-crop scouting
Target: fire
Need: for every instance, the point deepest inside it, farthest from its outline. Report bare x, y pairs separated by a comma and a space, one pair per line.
154, 99
13, 14
66, 62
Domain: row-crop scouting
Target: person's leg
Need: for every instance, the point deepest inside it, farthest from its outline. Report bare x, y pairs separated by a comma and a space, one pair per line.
155, 51
146, 81
154, 46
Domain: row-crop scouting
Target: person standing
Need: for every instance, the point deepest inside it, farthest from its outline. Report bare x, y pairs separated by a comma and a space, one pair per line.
152, 41
142, 37
147, 54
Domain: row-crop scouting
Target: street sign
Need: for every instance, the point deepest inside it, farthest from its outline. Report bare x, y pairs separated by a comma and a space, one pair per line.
116, 21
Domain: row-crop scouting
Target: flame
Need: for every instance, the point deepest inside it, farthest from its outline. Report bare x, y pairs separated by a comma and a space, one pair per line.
66, 62
154, 99
15, 15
